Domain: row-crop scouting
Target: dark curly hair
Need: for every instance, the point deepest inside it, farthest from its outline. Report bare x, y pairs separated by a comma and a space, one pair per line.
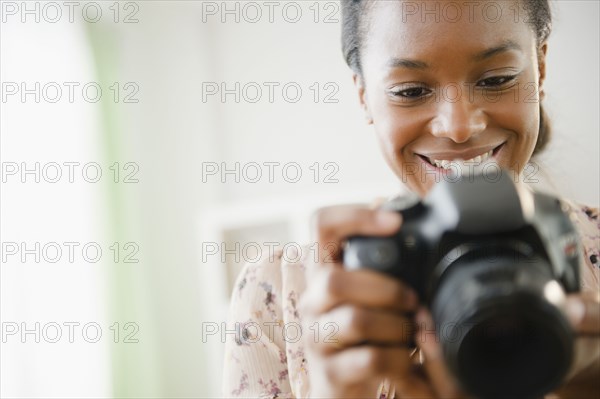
355, 26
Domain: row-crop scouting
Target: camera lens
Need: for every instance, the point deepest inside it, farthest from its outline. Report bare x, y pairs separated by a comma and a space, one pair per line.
501, 330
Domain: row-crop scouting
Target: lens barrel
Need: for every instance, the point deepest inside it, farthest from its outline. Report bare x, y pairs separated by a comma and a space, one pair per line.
500, 325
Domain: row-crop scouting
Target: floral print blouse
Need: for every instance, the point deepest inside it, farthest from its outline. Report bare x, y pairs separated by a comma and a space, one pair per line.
265, 358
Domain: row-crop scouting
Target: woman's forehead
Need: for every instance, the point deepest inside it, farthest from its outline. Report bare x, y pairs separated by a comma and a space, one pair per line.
423, 18
415, 30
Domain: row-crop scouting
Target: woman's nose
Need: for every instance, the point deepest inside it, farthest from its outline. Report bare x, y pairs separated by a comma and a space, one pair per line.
457, 117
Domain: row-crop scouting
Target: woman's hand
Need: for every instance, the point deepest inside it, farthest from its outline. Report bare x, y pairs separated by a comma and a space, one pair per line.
583, 311
372, 314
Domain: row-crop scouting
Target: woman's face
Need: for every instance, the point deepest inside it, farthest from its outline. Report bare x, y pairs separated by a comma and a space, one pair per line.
462, 87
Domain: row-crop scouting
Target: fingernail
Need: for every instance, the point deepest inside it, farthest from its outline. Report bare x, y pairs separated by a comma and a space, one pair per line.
575, 311
422, 318
388, 220
410, 298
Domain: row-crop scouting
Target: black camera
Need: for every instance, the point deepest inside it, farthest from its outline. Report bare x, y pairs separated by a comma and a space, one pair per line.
493, 261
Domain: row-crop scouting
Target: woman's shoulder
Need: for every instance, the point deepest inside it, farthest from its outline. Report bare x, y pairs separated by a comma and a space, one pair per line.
584, 214
585, 220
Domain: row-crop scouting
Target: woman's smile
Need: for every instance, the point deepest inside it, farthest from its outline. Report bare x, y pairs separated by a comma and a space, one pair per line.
442, 160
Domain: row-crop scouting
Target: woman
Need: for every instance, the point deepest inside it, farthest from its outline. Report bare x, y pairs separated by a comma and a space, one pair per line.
439, 82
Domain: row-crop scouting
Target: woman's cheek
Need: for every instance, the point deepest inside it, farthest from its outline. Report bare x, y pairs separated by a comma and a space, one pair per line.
396, 131
521, 120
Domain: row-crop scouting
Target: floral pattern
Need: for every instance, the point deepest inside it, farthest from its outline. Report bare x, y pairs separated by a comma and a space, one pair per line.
263, 363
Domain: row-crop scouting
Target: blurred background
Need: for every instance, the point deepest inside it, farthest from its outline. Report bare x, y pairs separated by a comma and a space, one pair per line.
150, 148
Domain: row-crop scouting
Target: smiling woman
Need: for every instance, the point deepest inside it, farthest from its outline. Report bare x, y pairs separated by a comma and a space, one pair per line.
452, 89
438, 84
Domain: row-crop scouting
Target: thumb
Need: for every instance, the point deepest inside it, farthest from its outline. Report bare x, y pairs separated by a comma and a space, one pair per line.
583, 311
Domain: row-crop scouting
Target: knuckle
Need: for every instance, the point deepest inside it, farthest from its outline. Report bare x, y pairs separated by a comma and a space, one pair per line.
359, 321
397, 292
333, 281
331, 372
326, 219
320, 219
365, 215
372, 361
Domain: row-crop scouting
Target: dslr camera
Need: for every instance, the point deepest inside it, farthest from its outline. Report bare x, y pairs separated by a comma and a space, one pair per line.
493, 261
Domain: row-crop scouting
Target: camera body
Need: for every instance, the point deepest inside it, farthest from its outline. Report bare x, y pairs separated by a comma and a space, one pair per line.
493, 261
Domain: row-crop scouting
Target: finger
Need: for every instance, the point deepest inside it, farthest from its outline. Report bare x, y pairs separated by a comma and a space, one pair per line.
332, 225
587, 352
413, 386
377, 202
354, 325
366, 288
364, 363
442, 381
583, 311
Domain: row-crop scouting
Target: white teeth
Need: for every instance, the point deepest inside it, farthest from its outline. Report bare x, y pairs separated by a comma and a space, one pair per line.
445, 164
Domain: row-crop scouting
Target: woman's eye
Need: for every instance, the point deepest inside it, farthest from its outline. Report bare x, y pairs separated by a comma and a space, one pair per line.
411, 93
496, 81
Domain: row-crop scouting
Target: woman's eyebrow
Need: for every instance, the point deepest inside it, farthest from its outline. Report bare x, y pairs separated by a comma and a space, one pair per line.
408, 63
507, 45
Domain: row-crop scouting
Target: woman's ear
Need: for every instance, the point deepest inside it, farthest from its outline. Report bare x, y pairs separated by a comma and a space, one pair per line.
542, 68
362, 97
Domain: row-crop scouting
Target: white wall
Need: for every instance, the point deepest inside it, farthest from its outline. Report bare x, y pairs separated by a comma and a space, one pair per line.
573, 100
39, 295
